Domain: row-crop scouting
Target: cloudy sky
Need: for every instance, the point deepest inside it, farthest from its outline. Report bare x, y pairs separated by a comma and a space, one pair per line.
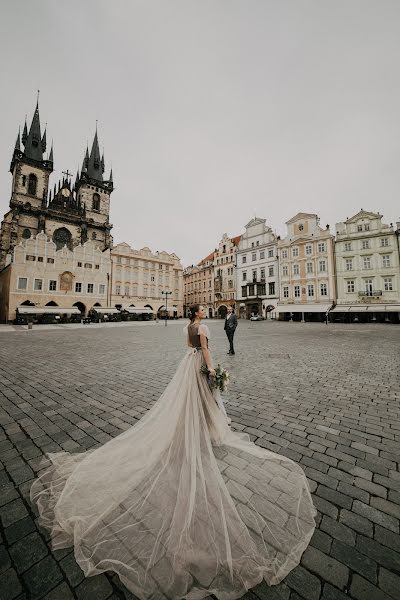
211, 111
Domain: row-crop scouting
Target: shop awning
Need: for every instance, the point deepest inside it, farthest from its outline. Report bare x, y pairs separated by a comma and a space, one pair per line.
372, 308
106, 310
302, 308
138, 311
48, 310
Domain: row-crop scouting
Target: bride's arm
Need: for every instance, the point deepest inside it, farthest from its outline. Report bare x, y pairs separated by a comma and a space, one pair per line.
206, 353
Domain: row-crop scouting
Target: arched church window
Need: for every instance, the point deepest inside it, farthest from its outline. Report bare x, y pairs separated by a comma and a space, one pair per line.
62, 237
23, 180
94, 235
96, 202
32, 184
26, 234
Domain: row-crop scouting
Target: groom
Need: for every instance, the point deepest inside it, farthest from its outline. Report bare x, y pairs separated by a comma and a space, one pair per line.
230, 326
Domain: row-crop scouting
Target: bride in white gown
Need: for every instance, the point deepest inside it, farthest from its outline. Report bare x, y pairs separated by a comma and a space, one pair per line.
180, 506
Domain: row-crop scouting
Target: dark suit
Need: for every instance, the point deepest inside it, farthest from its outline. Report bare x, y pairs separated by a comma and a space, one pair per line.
230, 326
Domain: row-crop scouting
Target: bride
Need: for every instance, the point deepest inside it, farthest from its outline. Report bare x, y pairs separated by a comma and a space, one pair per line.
180, 506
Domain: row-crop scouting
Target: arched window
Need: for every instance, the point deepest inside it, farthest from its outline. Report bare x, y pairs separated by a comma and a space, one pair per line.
32, 184
23, 180
26, 234
94, 235
96, 202
62, 237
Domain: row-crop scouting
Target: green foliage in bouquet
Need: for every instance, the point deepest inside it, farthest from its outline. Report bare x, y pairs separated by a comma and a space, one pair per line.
221, 379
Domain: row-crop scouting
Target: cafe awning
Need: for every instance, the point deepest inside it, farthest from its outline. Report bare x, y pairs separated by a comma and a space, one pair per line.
106, 310
372, 308
136, 310
302, 308
48, 310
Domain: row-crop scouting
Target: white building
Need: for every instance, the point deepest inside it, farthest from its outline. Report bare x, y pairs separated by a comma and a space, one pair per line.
367, 270
257, 272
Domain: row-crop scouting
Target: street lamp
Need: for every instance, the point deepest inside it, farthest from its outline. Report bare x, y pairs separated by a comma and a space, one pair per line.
166, 294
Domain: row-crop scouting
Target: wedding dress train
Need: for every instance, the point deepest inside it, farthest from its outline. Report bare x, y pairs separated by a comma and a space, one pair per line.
179, 506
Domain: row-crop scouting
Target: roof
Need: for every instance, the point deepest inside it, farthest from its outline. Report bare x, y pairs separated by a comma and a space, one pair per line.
301, 215
363, 214
207, 258
236, 239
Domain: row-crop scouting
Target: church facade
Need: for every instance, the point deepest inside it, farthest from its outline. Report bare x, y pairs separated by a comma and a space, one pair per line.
55, 243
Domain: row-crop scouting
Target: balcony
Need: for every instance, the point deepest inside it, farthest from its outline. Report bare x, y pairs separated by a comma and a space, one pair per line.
370, 293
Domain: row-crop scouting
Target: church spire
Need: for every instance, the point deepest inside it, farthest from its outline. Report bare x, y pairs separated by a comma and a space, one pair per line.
18, 142
51, 158
33, 146
94, 168
25, 133
44, 141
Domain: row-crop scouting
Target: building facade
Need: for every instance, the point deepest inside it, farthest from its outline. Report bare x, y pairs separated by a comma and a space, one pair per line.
45, 254
224, 275
199, 285
139, 278
367, 270
307, 270
257, 271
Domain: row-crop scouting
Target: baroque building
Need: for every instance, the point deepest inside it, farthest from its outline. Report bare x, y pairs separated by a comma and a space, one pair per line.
257, 272
367, 270
307, 270
140, 279
199, 285
224, 274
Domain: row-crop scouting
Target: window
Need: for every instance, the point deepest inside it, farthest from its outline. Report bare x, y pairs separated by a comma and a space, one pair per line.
32, 184
295, 251
296, 269
359, 227
244, 291
308, 249
96, 202
321, 247
324, 289
160, 267
301, 227
384, 242
40, 258
285, 271
286, 292
252, 244
52, 285
367, 262
350, 286
94, 236
88, 265
244, 276
270, 271
230, 283
297, 291
23, 180
309, 267
254, 275
22, 283
262, 274
257, 243
97, 267
349, 264
30, 257
51, 260
79, 264
38, 285
152, 278
386, 260
271, 288
310, 290
284, 253
262, 254
119, 261
368, 287
365, 244
271, 253
254, 256
118, 290
26, 234
322, 266
251, 290
127, 290
347, 246
388, 284
90, 288
366, 227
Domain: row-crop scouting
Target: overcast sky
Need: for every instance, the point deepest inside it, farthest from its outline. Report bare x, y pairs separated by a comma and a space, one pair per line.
212, 111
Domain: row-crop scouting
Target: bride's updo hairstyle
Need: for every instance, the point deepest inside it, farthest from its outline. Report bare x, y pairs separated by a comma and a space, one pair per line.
192, 311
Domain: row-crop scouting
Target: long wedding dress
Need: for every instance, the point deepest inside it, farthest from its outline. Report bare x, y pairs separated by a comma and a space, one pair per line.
179, 506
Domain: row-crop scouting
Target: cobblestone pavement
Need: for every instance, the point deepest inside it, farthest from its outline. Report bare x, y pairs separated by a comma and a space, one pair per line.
325, 396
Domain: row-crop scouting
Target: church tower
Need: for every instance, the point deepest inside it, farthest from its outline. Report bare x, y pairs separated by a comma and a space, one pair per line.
30, 181
94, 193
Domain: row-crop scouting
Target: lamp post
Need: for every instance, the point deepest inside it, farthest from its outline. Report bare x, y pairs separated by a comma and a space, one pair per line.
166, 294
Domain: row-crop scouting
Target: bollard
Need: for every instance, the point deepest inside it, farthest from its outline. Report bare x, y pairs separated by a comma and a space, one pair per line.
30, 325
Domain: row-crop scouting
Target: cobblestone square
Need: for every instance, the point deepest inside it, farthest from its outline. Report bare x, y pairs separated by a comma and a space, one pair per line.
326, 396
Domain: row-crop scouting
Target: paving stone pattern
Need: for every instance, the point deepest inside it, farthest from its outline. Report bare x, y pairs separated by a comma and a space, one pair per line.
328, 397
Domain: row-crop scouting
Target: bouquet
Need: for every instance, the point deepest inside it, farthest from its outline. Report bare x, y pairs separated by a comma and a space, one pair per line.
221, 379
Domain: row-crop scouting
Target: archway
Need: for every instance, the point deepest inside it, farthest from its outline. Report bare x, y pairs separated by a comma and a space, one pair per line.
222, 310
148, 306
27, 303
80, 306
51, 303
210, 313
131, 306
